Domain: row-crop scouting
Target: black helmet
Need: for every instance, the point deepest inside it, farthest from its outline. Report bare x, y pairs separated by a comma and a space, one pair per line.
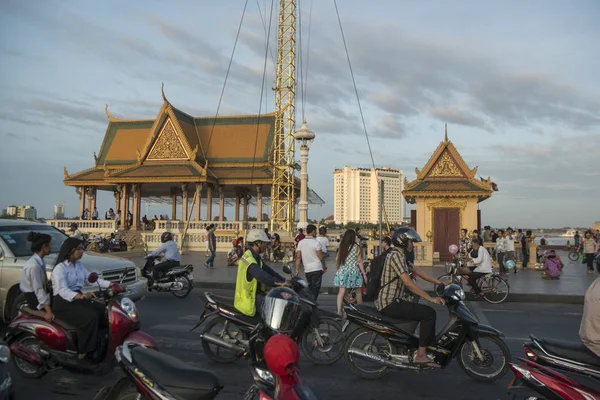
401, 236
166, 236
281, 310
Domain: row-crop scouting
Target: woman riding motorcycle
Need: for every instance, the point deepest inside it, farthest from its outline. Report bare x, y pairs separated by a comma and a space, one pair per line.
34, 282
69, 304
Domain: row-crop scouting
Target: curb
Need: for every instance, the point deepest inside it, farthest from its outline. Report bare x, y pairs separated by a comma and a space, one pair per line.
512, 297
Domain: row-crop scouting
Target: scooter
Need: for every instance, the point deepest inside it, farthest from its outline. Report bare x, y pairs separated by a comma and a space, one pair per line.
39, 346
177, 280
319, 332
381, 343
533, 381
153, 375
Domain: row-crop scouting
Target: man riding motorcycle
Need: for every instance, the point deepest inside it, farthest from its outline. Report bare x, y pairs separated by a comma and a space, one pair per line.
254, 276
171, 254
395, 301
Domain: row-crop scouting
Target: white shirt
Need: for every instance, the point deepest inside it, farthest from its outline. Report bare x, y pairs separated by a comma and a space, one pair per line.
308, 248
501, 245
77, 234
482, 261
510, 243
170, 250
324, 242
68, 279
32, 280
589, 330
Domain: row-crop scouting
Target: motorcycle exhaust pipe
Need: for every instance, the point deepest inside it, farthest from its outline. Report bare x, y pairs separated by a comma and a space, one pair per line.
26, 354
376, 358
220, 342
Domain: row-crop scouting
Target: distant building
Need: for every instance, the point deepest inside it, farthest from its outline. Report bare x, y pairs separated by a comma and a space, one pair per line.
26, 212
356, 195
59, 211
4, 213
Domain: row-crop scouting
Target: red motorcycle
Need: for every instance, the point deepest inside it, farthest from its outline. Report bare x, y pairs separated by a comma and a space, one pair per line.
39, 346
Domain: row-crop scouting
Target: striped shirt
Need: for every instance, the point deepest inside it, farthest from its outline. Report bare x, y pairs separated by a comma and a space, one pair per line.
392, 289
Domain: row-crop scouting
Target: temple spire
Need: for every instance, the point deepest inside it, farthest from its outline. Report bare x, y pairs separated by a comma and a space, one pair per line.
445, 132
162, 90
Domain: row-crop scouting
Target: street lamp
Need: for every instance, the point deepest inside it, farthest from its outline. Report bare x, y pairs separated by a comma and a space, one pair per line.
305, 137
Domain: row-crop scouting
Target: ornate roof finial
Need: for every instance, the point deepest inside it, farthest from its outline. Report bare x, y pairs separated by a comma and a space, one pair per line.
108, 115
66, 173
95, 158
445, 132
162, 90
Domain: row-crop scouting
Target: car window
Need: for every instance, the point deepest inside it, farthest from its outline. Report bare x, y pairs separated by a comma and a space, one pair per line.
15, 238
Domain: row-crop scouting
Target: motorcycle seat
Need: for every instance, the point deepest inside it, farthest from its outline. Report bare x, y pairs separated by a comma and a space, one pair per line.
404, 324
181, 379
226, 303
571, 350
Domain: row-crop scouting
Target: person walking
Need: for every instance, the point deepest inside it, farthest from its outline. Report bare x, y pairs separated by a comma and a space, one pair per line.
206, 252
590, 247
299, 236
501, 252
310, 254
525, 240
212, 247
350, 269
510, 246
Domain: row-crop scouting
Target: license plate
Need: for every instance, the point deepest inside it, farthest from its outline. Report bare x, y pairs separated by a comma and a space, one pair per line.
190, 277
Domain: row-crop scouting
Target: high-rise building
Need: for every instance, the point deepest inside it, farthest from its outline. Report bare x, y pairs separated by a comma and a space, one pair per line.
26, 212
59, 211
356, 195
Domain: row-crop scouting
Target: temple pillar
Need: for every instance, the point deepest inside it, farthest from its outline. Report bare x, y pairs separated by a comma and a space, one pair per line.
184, 207
259, 205
81, 201
221, 203
245, 207
117, 194
174, 203
124, 205
198, 200
209, 202
237, 205
93, 200
135, 193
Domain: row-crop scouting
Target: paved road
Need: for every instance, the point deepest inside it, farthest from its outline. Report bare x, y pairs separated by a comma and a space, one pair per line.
169, 319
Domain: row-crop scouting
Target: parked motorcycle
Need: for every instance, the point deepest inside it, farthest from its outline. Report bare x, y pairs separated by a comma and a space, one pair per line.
39, 346
226, 335
177, 280
153, 375
568, 356
533, 381
381, 343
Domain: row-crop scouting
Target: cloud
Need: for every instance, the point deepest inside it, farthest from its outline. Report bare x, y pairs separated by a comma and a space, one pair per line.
457, 116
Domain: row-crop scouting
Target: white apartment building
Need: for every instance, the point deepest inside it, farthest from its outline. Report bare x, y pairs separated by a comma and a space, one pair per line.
27, 212
59, 211
356, 195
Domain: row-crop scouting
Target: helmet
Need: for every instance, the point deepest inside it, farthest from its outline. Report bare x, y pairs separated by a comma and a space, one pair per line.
401, 236
166, 236
255, 235
281, 355
281, 310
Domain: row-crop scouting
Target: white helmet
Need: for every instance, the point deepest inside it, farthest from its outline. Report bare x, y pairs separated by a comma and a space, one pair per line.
256, 235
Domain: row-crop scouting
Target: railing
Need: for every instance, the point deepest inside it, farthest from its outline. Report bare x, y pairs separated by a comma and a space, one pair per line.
200, 226
84, 225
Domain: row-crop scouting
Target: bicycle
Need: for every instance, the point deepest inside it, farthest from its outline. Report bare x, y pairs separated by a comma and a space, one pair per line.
493, 287
575, 253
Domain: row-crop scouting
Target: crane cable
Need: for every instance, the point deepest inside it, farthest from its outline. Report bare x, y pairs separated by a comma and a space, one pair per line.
362, 117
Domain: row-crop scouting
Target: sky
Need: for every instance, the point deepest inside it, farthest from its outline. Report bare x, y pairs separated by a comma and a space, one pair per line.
516, 82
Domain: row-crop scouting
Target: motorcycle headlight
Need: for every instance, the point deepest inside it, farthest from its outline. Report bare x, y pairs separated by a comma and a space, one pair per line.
265, 375
4, 354
129, 307
459, 295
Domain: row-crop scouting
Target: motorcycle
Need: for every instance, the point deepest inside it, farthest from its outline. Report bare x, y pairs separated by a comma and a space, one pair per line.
177, 280
153, 375
567, 356
391, 343
234, 254
533, 381
319, 333
7, 389
39, 346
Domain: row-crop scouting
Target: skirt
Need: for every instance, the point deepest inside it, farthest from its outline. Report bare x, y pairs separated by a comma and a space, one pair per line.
86, 316
348, 277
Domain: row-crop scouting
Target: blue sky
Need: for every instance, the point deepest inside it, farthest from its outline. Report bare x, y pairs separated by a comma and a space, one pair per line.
517, 83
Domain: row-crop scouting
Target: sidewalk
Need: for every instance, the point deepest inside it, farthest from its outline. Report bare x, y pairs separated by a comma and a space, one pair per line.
526, 286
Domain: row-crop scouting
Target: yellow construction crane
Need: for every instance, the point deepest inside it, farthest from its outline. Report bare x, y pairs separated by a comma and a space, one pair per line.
283, 198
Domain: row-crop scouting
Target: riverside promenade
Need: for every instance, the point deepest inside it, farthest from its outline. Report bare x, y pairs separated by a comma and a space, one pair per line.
526, 286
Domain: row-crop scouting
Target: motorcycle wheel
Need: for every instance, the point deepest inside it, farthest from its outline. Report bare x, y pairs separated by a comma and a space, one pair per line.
187, 287
123, 390
361, 367
332, 336
222, 328
474, 367
25, 368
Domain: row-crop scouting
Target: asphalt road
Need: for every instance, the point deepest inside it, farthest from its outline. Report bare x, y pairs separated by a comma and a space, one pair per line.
169, 319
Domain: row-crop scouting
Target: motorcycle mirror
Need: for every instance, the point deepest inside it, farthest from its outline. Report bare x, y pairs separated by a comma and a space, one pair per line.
93, 278
287, 269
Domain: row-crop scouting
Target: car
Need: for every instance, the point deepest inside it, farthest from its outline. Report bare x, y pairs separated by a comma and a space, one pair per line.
15, 250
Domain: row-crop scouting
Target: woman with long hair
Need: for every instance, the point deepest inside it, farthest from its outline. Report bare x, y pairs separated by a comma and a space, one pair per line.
34, 281
350, 268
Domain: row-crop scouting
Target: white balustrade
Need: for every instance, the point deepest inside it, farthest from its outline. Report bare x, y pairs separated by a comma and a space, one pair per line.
84, 225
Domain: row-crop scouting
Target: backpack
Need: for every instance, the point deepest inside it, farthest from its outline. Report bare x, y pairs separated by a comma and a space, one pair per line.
375, 272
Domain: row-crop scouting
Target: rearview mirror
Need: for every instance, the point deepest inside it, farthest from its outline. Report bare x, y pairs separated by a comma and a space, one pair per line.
93, 278
287, 269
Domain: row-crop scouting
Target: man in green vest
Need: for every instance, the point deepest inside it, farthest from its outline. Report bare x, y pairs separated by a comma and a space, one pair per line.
254, 276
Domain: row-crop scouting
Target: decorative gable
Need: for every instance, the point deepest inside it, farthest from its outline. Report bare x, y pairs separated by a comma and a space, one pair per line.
445, 167
168, 145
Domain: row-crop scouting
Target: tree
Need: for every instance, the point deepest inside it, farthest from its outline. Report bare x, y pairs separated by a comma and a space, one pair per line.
265, 217
217, 218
